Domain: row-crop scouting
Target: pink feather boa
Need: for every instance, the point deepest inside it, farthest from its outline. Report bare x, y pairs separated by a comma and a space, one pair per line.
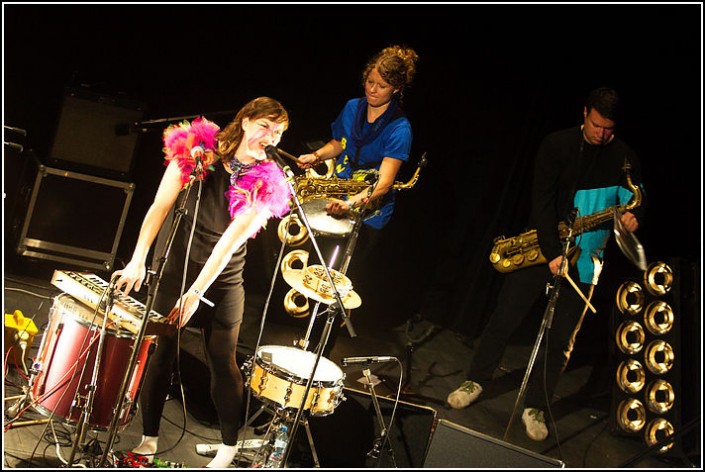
262, 187
180, 139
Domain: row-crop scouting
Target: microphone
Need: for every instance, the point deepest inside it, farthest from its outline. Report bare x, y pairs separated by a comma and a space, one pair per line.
367, 360
197, 152
272, 153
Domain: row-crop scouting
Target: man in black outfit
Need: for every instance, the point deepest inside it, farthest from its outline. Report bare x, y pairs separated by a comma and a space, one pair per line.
579, 171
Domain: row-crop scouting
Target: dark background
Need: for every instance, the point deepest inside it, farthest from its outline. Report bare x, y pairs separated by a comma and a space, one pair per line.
492, 81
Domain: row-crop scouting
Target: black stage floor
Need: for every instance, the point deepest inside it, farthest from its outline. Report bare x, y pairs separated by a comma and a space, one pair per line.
425, 432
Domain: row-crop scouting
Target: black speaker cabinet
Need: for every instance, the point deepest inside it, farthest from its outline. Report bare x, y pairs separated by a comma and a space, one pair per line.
96, 134
344, 438
454, 446
75, 218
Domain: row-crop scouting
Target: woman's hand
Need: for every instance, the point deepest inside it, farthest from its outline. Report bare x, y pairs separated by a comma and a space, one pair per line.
189, 304
130, 277
338, 207
306, 161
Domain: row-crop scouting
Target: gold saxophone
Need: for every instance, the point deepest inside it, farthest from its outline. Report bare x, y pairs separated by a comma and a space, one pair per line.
310, 188
314, 188
518, 252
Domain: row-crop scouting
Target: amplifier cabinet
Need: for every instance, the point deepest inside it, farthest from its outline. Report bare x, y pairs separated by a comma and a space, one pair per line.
75, 218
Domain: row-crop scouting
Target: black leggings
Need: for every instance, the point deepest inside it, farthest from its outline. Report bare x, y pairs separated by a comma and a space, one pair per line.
226, 384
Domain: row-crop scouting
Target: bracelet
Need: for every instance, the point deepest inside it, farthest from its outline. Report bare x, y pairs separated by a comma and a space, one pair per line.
318, 157
202, 298
361, 203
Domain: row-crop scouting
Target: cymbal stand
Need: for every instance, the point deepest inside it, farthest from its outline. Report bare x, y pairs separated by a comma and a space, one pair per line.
88, 408
352, 242
153, 284
545, 324
272, 153
383, 432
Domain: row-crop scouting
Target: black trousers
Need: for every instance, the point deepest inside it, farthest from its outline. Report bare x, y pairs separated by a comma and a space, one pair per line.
519, 293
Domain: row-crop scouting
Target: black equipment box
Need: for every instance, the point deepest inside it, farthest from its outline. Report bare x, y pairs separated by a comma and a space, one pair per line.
75, 218
96, 134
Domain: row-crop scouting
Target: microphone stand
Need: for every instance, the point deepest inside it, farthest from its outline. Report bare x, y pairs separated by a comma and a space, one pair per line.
153, 284
273, 154
383, 432
547, 319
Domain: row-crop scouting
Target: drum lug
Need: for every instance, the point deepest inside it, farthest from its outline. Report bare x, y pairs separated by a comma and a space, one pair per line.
287, 395
314, 400
262, 384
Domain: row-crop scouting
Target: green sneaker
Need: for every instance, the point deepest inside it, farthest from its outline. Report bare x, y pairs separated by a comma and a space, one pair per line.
535, 424
464, 395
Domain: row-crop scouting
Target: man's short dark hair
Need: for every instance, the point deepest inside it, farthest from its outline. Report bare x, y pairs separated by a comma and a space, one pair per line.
606, 101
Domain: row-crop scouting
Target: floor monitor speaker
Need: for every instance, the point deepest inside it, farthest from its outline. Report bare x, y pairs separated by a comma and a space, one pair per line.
454, 446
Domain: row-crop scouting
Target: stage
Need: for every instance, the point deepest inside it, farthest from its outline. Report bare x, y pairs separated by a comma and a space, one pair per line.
425, 432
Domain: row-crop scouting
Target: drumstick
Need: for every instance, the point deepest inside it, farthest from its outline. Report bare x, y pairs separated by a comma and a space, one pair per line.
287, 155
587, 302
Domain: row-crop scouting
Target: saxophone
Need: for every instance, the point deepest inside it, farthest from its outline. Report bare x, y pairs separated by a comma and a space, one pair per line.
518, 252
309, 188
314, 188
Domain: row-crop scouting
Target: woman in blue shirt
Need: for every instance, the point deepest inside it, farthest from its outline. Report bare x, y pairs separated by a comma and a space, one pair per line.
372, 134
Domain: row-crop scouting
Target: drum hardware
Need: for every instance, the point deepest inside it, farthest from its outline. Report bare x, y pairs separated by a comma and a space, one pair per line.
284, 390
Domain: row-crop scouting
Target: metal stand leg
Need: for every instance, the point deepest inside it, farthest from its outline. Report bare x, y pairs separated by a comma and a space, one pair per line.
382, 440
310, 442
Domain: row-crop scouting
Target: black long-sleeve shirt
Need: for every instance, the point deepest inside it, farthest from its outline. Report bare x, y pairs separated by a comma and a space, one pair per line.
571, 173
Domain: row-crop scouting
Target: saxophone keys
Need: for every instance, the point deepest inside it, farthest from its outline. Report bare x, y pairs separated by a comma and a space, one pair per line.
518, 259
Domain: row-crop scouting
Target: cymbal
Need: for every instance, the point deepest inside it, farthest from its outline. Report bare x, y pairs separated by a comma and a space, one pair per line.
324, 223
628, 243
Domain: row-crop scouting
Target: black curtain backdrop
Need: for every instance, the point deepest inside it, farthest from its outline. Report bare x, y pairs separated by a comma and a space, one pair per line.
492, 81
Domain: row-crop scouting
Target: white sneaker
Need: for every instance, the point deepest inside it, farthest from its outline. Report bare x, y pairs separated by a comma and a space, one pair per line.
535, 424
464, 395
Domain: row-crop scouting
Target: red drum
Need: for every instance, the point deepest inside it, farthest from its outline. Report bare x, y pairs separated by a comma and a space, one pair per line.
66, 359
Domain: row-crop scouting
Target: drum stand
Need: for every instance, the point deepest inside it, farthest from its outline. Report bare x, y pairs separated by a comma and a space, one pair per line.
281, 415
332, 310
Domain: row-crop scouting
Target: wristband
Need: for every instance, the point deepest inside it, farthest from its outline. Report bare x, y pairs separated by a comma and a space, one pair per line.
202, 298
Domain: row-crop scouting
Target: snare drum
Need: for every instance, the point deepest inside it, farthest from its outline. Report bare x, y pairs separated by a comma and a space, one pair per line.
65, 362
280, 375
